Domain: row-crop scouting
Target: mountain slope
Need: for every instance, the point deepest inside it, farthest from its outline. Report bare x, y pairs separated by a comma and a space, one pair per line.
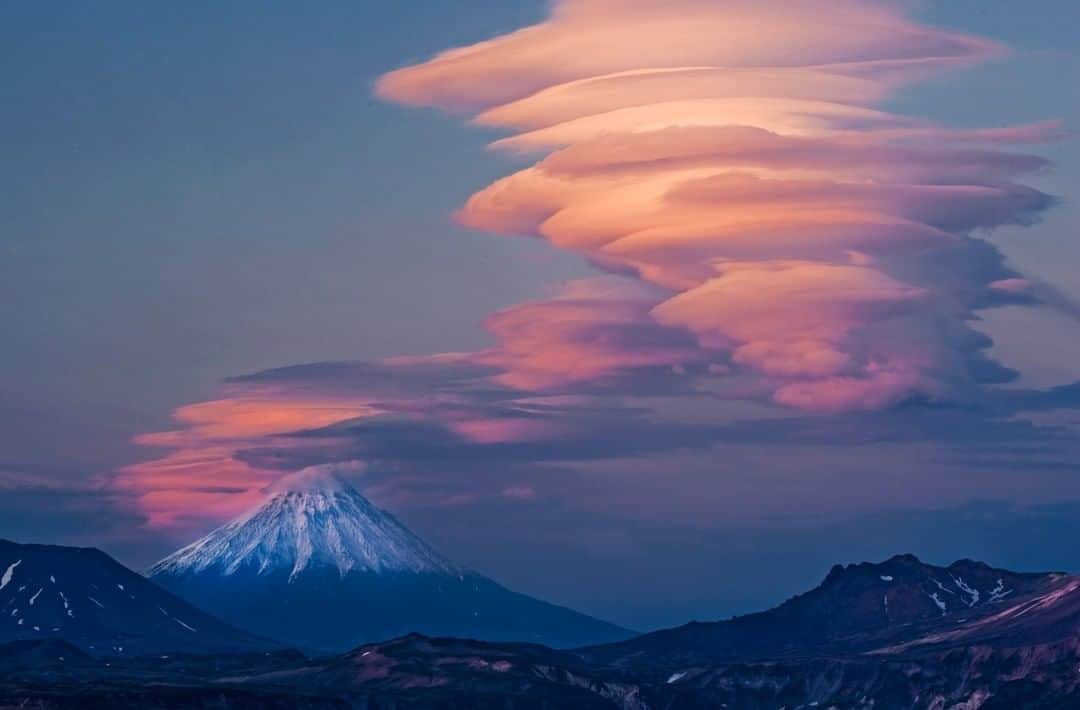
1021, 650
420, 672
83, 596
319, 566
1049, 616
854, 608
312, 521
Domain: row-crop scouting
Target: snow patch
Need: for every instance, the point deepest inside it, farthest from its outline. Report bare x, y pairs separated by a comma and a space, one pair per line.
67, 606
36, 595
942, 587
886, 578
167, 615
972, 593
999, 591
9, 573
940, 604
182, 624
676, 677
96, 602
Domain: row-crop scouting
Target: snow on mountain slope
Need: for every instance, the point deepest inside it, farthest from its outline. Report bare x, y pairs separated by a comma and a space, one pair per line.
320, 567
1049, 616
83, 596
853, 609
312, 519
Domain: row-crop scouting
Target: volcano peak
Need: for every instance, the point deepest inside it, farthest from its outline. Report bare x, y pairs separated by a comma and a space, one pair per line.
311, 521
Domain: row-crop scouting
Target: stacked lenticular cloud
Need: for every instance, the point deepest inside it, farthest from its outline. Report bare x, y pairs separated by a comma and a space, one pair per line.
768, 230
731, 154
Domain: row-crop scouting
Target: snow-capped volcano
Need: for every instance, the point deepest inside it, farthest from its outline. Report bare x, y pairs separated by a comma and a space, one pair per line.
318, 566
312, 520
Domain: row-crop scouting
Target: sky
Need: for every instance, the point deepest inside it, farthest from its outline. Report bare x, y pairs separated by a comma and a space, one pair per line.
656, 310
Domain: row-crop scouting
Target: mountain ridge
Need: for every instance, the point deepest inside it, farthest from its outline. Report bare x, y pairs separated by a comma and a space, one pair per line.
1018, 649
855, 607
84, 596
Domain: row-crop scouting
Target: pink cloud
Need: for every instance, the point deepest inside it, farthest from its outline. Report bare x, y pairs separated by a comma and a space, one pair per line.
785, 232
555, 343
735, 156
587, 39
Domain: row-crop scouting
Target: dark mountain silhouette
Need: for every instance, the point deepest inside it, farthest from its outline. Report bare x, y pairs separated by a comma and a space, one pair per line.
1011, 641
852, 609
88, 599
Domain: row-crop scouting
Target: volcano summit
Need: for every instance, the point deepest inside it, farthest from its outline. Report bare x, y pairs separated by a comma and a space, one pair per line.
318, 566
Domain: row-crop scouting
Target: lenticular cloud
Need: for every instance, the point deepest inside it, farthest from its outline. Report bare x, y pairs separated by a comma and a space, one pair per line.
733, 156
769, 233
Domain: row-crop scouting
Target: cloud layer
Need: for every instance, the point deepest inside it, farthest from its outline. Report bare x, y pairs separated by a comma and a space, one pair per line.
772, 234
733, 155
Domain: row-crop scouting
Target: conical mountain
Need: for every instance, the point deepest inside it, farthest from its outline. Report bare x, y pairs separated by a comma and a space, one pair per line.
318, 566
312, 522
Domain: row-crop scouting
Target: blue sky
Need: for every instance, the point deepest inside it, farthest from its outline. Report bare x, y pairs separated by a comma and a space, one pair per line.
195, 191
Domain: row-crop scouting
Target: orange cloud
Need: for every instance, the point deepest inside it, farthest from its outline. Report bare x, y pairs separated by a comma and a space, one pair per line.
735, 156
192, 486
735, 160
594, 39
252, 415
566, 341
201, 478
